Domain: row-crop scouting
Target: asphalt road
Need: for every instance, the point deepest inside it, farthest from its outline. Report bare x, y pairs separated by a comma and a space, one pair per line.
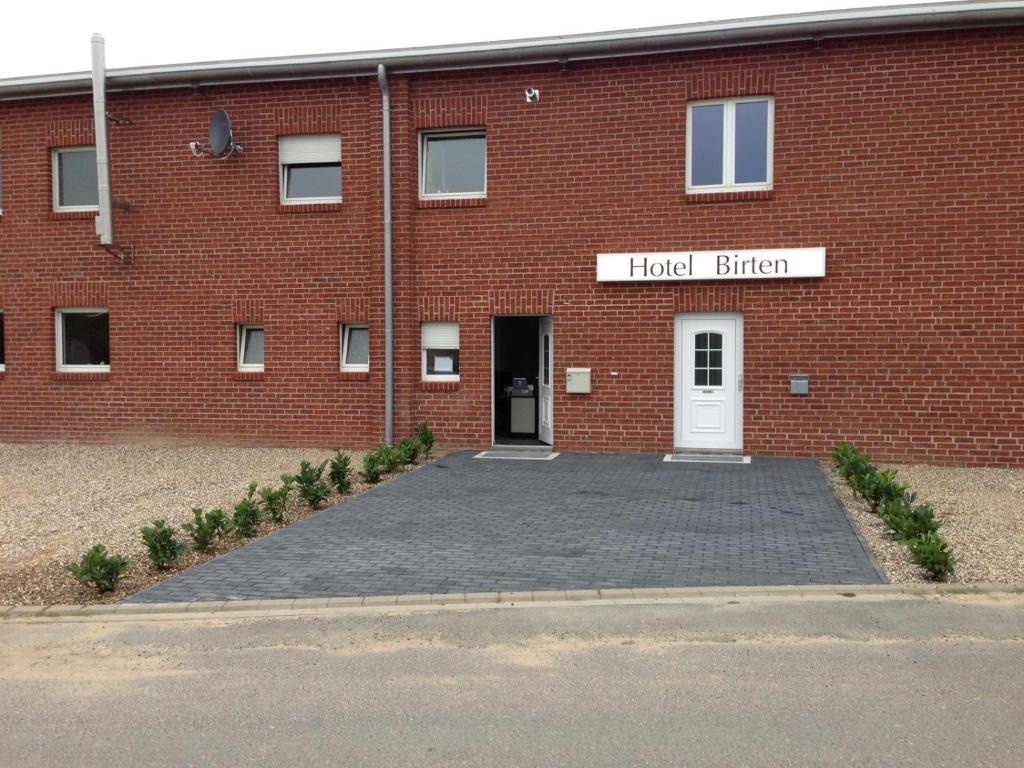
860, 681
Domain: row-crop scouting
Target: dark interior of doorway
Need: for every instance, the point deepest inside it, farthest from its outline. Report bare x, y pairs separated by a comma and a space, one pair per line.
516, 356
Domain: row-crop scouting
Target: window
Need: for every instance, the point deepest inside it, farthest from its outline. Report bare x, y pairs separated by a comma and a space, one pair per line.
355, 347
440, 351
250, 348
453, 164
707, 360
1, 341
310, 168
75, 187
729, 144
83, 340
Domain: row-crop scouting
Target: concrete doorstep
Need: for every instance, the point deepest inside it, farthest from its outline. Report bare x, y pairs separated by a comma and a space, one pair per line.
468, 600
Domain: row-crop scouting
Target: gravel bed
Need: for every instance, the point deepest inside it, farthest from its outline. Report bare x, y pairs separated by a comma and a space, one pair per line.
56, 501
982, 515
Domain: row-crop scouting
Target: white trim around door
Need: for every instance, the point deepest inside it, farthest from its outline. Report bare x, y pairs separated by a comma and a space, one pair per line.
709, 382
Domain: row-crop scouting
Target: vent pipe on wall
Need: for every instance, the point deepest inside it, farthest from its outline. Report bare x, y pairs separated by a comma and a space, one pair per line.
105, 219
389, 352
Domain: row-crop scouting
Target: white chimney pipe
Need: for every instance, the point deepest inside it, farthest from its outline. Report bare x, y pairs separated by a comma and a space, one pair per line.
105, 219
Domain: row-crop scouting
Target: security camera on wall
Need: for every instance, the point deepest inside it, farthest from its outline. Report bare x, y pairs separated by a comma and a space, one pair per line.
532, 95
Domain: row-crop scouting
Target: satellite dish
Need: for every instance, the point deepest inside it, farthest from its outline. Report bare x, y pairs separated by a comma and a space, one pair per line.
222, 144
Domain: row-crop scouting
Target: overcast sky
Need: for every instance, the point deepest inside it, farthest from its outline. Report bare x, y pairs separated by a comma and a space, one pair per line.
49, 37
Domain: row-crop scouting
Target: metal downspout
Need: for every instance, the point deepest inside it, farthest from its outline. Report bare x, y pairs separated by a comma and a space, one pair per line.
389, 310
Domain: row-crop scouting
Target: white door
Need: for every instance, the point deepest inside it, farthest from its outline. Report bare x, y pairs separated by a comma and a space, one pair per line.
709, 382
545, 397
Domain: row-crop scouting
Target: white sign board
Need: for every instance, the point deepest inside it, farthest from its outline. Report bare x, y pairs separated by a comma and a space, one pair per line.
711, 265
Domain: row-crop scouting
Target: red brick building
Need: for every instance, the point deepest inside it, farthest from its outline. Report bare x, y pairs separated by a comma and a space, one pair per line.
860, 173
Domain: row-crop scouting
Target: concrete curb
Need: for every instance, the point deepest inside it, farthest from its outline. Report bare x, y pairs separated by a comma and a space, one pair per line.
464, 600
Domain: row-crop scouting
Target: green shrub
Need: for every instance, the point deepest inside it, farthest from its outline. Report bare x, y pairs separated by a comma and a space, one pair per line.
408, 450
389, 459
275, 500
425, 438
164, 548
372, 469
339, 472
851, 462
313, 490
881, 487
931, 553
247, 514
98, 569
205, 528
907, 521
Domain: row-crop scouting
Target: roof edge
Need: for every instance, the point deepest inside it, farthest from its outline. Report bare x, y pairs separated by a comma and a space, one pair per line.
816, 25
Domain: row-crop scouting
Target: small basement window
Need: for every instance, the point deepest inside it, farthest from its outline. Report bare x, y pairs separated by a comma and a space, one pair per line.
310, 168
440, 342
83, 340
250, 348
355, 347
729, 144
453, 164
75, 187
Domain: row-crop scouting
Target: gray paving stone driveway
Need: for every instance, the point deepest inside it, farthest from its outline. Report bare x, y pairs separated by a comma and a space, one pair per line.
579, 521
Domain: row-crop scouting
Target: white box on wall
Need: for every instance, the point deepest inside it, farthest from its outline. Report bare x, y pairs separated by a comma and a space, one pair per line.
577, 381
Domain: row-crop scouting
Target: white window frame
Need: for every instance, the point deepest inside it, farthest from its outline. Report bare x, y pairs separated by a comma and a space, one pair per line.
283, 174
424, 137
59, 333
346, 329
241, 330
729, 146
423, 356
55, 154
3, 329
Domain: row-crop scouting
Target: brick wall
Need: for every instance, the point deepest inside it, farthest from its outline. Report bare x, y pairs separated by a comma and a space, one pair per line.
901, 155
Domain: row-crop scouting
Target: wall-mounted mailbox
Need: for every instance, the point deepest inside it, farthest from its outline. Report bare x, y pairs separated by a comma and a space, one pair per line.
799, 384
577, 381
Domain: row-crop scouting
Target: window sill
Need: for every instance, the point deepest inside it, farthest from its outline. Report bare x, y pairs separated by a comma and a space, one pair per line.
729, 197
454, 202
353, 376
309, 207
249, 375
439, 386
73, 215
80, 375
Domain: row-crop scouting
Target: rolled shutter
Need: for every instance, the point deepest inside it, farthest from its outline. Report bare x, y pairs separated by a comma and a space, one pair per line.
440, 335
316, 148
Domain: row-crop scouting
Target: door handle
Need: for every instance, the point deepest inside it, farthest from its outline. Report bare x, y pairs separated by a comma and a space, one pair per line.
739, 383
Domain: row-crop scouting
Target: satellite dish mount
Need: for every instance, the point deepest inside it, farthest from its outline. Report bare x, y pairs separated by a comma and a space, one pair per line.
222, 141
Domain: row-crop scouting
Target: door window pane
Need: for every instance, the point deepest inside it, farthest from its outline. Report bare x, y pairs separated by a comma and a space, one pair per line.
547, 359
454, 165
751, 142
707, 139
76, 178
707, 359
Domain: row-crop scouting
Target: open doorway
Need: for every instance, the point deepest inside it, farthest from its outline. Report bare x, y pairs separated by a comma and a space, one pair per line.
522, 380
